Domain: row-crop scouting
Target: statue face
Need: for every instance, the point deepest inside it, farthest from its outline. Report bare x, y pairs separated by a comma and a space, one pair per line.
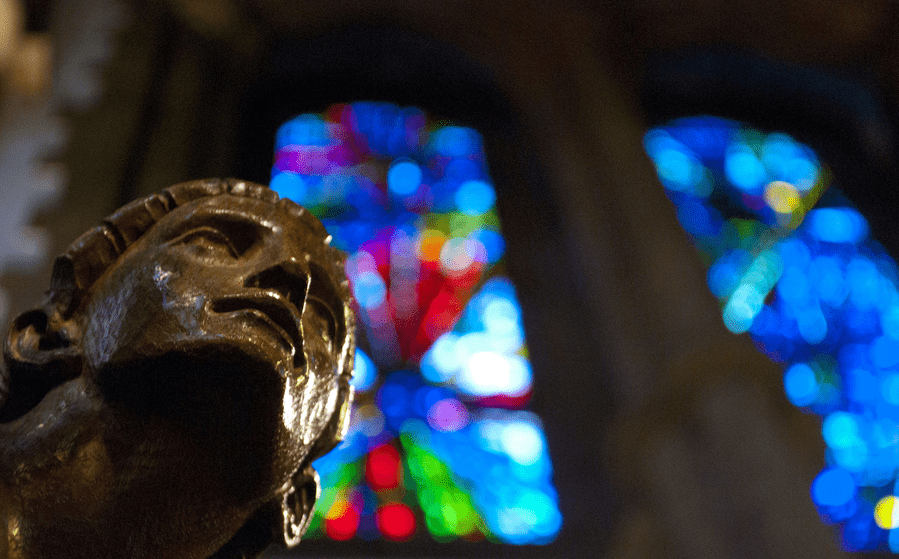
219, 271
220, 308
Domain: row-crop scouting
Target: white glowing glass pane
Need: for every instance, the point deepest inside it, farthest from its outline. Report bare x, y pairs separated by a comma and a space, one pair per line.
523, 442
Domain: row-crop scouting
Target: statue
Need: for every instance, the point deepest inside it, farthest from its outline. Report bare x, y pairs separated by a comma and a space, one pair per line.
192, 359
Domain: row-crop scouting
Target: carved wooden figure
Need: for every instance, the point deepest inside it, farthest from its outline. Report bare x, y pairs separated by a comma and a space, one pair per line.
192, 359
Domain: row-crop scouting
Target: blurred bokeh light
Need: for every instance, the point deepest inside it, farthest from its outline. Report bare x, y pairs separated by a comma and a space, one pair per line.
439, 438
792, 264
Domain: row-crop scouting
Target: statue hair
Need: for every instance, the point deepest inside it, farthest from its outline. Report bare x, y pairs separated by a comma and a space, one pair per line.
76, 270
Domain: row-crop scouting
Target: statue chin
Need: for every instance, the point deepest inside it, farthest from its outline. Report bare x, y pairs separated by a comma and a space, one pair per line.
169, 397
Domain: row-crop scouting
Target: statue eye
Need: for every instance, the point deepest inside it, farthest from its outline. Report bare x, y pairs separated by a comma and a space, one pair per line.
208, 242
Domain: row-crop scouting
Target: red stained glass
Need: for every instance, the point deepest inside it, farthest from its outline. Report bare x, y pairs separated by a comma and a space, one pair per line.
513, 402
344, 525
382, 468
438, 297
396, 521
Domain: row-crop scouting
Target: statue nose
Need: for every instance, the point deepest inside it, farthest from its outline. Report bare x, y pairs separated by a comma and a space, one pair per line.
289, 278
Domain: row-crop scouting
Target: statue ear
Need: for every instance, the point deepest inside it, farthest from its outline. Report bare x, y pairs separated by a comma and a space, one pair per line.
298, 504
39, 354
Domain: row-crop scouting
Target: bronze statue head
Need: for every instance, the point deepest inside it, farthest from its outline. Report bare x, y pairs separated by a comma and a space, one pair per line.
192, 359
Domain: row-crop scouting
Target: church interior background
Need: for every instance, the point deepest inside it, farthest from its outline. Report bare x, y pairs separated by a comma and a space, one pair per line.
686, 209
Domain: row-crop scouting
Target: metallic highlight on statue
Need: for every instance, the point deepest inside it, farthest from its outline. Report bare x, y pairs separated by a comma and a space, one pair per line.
191, 361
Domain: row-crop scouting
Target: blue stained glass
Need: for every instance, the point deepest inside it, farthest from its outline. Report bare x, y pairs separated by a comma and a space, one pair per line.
305, 130
837, 225
826, 277
833, 488
404, 178
859, 533
369, 290
841, 430
365, 372
812, 324
801, 385
814, 291
862, 386
289, 185
678, 169
795, 252
475, 197
455, 141
744, 169
707, 137
885, 352
890, 388
695, 218
793, 286
495, 246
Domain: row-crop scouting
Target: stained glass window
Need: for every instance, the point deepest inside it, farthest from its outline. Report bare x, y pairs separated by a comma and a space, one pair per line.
440, 439
792, 264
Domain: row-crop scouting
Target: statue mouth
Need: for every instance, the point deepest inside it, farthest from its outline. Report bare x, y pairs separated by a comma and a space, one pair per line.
271, 309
